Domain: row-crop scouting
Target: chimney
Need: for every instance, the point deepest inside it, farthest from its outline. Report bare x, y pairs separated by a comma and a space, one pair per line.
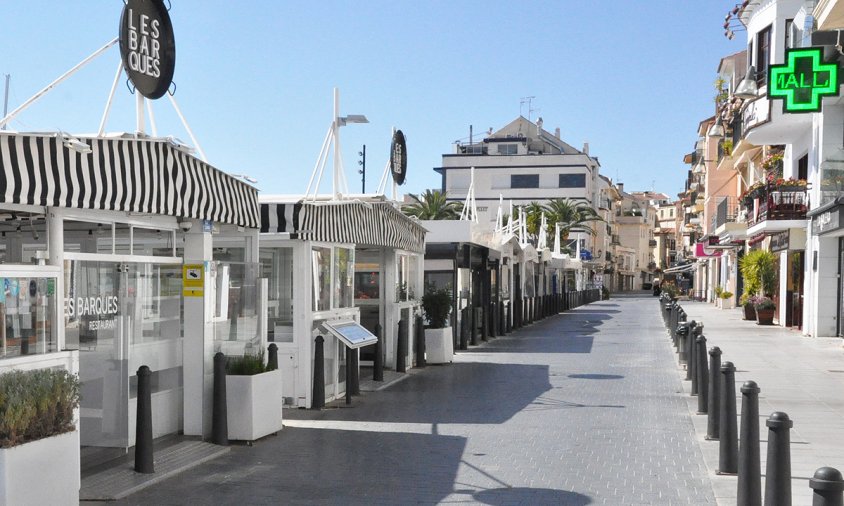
620, 187
557, 132
586, 147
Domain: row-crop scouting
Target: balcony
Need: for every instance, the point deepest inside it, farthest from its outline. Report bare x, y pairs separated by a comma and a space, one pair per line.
774, 209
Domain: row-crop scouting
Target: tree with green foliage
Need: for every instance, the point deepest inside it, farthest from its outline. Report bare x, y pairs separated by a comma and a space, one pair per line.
432, 205
569, 214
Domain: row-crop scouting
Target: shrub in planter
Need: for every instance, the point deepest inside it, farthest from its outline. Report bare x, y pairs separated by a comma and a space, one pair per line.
36, 404
605, 293
439, 345
748, 303
254, 398
39, 446
765, 311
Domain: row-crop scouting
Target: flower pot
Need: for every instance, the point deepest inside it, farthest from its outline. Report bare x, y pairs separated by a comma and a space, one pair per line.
749, 312
765, 316
45, 471
439, 346
727, 304
253, 405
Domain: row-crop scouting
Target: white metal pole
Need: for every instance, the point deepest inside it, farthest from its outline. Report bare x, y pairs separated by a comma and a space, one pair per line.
319, 163
336, 126
151, 118
52, 85
187, 127
107, 110
6, 99
139, 112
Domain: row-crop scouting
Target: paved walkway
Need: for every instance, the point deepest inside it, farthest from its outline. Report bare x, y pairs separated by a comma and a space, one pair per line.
801, 376
581, 408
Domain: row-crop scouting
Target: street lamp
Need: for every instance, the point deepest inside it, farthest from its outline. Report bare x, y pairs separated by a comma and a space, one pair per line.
716, 130
747, 88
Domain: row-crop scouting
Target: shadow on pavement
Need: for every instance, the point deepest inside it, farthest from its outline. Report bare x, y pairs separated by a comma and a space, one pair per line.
597, 376
520, 495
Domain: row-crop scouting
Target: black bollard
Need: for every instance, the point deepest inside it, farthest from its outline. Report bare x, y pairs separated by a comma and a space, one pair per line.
318, 389
272, 357
401, 347
464, 328
691, 365
143, 425
682, 330
420, 342
714, 401
728, 436
778, 468
378, 363
502, 319
219, 417
354, 386
349, 352
702, 371
492, 320
473, 326
828, 486
749, 471
25, 345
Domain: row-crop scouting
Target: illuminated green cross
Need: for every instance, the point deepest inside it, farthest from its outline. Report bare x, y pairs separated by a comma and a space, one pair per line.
803, 80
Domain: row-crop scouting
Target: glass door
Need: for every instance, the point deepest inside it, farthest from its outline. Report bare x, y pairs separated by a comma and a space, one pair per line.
97, 325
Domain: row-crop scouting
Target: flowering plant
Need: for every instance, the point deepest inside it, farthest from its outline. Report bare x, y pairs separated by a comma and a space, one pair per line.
772, 160
778, 182
764, 303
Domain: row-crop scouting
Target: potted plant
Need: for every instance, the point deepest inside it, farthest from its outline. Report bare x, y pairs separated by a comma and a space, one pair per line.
439, 345
39, 442
765, 308
748, 304
253, 398
726, 300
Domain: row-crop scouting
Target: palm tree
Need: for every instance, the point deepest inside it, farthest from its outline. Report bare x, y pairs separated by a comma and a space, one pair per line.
432, 205
533, 212
570, 214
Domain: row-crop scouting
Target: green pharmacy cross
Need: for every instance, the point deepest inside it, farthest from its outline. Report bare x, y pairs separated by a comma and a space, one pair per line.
803, 80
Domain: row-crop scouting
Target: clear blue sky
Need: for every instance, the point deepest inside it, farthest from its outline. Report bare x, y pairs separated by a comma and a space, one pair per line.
255, 78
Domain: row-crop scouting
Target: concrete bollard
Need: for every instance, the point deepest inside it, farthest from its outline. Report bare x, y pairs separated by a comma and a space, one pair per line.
420, 342
272, 357
349, 353
702, 371
778, 468
728, 432
144, 462
401, 347
378, 362
749, 471
714, 401
219, 413
828, 486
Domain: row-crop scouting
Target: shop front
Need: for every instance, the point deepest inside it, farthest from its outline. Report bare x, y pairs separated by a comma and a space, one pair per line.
823, 311
93, 246
357, 261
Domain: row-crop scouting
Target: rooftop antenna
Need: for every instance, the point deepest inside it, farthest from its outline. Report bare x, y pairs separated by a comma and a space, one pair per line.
528, 101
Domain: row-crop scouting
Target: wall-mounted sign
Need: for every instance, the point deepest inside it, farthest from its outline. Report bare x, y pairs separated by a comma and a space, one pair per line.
351, 333
779, 241
398, 157
803, 80
755, 113
193, 280
147, 46
826, 221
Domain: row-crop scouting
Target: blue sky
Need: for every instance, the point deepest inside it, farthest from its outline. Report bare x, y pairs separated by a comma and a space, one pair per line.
254, 79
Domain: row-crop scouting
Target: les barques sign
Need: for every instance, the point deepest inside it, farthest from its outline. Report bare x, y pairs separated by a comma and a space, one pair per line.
398, 158
147, 46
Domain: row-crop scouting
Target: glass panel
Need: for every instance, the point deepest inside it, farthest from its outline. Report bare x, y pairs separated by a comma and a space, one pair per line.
344, 259
152, 242
412, 277
236, 308
367, 275
321, 272
27, 310
87, 237
277, 265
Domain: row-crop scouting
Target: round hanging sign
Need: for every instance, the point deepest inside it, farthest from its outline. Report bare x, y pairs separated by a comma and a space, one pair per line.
398, 158
147, 46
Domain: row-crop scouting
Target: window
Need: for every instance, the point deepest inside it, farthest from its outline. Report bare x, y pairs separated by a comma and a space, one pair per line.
508, 149
803, 167
344, 259
789, 33
524, 181
572, 180
321, 284
763, 56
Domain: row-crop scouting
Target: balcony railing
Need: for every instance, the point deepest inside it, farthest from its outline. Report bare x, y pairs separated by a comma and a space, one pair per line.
774, 203
726, 211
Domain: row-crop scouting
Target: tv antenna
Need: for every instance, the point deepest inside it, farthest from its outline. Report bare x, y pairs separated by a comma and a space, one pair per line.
529, 102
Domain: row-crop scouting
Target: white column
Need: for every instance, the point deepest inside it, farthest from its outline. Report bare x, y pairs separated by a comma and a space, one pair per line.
198, 342
389, 306
55, 252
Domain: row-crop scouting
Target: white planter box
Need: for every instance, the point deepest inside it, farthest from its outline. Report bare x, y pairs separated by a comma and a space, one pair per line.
253, 405
46, 471
439, 348
727, 304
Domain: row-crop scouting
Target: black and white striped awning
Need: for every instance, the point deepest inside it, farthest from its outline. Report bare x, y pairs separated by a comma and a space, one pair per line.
363, 224
132, 175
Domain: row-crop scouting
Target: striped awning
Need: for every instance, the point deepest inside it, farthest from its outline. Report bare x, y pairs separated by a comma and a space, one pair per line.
131, 175
364, 224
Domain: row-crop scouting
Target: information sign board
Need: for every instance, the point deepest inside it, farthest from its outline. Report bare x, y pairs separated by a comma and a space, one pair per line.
351, 333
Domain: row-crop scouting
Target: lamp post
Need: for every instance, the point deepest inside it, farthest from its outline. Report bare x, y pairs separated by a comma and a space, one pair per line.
338, 122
